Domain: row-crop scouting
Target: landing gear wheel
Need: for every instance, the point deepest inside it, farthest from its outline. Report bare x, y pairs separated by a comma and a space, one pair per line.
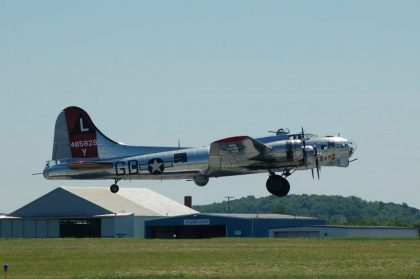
201, 180
278, 185
114, 188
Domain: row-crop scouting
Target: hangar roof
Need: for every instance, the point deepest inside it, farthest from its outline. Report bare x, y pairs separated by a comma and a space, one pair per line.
92, 201
260, 216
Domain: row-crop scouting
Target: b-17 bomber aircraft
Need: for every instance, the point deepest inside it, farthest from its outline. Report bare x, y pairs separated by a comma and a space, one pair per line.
81, 151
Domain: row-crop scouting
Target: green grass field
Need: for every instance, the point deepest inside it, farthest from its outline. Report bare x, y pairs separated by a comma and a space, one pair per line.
211, 258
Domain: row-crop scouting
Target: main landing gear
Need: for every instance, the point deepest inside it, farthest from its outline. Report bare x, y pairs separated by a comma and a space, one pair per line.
114, 187
278, 185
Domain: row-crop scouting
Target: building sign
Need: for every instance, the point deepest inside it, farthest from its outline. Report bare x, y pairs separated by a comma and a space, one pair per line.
195, 222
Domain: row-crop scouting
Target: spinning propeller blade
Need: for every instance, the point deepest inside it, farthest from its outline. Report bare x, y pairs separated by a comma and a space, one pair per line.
303, 138
305, 157
318, 168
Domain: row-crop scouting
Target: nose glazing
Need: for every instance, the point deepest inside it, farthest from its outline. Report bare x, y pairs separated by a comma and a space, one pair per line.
352, 147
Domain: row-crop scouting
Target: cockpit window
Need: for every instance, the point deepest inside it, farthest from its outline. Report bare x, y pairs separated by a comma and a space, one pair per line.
299, 136
341, 145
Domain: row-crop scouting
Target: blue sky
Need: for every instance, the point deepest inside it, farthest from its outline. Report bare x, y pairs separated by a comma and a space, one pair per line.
150, 73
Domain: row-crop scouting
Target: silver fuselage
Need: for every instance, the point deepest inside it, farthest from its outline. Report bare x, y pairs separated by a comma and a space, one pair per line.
186, 163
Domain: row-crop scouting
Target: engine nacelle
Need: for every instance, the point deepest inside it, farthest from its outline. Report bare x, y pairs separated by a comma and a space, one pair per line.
310, 154
288, 151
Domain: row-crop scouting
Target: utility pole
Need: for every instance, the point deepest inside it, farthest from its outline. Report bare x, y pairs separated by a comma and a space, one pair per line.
228, 205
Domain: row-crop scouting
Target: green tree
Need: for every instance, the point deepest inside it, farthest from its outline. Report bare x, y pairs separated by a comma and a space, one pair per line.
333, 208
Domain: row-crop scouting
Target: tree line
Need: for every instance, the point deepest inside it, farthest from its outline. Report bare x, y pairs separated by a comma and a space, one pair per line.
337, 210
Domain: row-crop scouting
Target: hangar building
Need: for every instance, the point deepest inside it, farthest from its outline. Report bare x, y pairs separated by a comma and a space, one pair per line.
205, 225
345, 231
140, 212
89, 212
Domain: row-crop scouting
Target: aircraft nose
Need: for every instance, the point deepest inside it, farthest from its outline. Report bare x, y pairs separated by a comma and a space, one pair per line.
352, 147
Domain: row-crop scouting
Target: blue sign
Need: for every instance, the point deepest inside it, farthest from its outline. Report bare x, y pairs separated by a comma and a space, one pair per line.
5, 267
195, 222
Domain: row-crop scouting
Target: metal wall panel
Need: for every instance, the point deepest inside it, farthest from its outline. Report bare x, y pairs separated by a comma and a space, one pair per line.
41, 228
6, 228
124, 226
53, 228
29, 228
343, 231
17, 228
235, 226
139, 225
108, 227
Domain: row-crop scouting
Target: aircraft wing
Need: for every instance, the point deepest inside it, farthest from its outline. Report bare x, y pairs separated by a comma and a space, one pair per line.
235, 152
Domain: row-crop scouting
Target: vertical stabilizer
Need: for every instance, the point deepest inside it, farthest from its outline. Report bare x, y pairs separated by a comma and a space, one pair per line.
75, 135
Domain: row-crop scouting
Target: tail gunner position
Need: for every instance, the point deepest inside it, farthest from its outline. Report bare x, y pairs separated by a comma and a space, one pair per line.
81, 151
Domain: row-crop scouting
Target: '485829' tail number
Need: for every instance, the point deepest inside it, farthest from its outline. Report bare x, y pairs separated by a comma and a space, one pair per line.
83, 143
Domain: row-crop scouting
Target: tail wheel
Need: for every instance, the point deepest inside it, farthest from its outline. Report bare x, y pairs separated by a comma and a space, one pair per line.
114, 188
278, 185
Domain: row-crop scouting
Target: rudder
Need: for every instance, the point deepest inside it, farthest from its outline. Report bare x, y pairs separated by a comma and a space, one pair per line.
75, 135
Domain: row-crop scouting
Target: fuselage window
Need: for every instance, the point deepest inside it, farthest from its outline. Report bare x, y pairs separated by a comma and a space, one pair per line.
180, 158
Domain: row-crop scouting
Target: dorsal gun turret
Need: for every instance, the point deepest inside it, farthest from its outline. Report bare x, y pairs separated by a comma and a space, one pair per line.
281, 131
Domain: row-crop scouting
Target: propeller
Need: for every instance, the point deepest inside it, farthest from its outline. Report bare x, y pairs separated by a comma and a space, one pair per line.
318, 168
303, 138
305, 157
